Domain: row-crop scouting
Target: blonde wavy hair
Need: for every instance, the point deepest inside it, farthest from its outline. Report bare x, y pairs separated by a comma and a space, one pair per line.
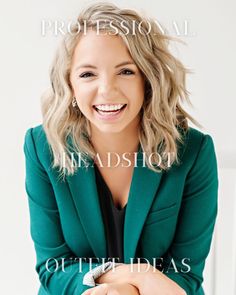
162, 117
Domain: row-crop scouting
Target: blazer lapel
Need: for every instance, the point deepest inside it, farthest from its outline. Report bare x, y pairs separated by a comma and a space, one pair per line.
84, 192
143, 189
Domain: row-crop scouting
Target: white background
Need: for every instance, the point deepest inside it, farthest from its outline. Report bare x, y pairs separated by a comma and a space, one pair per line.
25, 59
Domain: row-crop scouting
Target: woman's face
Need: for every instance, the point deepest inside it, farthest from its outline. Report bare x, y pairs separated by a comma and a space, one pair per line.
108, 86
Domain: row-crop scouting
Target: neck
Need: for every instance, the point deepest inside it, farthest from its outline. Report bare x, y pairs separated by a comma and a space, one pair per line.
126, 141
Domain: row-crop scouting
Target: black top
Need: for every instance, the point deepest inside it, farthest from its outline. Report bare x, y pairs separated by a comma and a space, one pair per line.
113, 219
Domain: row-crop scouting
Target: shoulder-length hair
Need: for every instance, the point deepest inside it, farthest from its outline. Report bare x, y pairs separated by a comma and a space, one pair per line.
162, 116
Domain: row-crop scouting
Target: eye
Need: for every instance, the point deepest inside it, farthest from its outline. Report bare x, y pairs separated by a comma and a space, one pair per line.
86, 75
127, 72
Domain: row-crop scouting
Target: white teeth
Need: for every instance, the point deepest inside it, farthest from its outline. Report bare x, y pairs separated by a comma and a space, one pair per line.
109, 107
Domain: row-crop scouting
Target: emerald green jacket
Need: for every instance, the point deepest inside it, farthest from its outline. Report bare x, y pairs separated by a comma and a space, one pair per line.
170, 216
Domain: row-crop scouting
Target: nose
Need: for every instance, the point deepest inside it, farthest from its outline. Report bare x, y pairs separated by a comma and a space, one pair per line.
107, 87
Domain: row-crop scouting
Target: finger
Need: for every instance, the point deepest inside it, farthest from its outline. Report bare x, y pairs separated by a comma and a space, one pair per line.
102, 289
87, 292
98, 290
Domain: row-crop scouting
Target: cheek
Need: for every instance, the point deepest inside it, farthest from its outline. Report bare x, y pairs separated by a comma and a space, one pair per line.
84, 97
138, 95
81, 91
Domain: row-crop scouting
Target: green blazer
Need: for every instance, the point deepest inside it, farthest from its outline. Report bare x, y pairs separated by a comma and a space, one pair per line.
169, 216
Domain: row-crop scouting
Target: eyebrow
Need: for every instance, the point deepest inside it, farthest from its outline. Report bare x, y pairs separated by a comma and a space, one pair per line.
93, 67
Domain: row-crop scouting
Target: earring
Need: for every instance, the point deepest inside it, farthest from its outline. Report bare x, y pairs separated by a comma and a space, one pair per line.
74, 102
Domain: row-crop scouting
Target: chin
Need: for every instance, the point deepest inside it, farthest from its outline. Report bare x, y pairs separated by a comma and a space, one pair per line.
111, 129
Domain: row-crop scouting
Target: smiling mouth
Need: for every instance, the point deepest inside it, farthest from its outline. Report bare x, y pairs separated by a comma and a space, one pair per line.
109, 109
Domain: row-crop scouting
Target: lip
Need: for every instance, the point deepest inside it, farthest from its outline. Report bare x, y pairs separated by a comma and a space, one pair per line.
109, 116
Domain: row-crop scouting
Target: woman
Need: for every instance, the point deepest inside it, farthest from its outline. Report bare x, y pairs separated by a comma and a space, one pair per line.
114, 171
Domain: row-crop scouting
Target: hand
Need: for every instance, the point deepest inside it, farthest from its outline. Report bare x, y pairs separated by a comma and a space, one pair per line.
120, 274
112, 288
154, 282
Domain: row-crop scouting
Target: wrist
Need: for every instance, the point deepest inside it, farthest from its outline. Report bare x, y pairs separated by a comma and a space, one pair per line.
133, 274
109, 275
92, 277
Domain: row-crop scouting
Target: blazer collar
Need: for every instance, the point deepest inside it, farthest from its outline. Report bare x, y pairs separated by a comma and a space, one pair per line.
144, 186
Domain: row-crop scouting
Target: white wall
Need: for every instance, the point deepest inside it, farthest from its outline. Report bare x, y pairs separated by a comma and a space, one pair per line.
25, 58
220, 270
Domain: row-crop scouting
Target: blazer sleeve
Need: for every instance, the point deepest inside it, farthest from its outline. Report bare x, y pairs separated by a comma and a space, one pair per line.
196, 220
46, 230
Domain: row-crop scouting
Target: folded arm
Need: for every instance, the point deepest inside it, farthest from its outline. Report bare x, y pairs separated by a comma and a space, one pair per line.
60, 272
193, 235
